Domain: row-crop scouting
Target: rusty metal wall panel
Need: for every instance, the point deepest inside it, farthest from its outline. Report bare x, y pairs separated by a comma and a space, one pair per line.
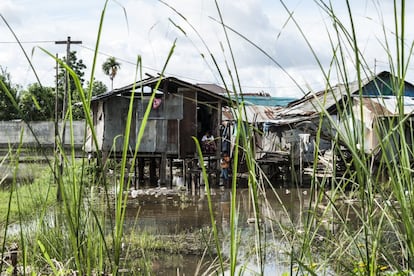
154, 139
149, 141
161, 136
115, 114
171, 107
174, 106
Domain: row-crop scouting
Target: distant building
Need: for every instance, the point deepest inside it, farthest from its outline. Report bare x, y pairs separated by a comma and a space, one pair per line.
259, 98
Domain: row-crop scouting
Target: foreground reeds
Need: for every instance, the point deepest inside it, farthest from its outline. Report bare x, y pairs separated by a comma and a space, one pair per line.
360, 223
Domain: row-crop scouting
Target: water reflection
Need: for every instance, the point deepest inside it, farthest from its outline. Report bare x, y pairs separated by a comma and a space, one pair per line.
171, 214
176, 213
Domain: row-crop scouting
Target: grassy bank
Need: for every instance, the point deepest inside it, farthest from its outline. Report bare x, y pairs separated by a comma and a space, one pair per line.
27, 199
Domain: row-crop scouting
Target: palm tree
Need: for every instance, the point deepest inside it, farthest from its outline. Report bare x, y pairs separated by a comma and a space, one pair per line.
110, 68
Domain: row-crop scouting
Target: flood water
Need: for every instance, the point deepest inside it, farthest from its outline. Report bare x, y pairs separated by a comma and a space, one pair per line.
158, 211
172, 214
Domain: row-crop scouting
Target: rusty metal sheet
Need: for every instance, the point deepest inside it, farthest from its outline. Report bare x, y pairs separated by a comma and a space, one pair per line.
251, 113
174, 106
149, 141
387, 106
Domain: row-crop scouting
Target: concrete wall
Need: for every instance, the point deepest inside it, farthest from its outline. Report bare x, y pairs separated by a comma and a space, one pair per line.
10, 132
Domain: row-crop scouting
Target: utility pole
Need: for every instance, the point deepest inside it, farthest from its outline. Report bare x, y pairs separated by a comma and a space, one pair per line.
57, 161
68, 42
56, 102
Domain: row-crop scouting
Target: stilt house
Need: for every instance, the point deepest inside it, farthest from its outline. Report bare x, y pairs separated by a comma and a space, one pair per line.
180, 111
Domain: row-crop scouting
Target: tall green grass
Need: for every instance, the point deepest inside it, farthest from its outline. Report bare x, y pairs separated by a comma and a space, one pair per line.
372, 215
381, 238
84, 234
359, 223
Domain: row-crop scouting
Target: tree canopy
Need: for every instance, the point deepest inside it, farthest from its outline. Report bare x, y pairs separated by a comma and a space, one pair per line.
37, 103
8, 95
78, 67
97, 88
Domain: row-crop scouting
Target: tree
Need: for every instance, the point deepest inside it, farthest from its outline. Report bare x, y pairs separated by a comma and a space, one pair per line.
110, 68
38, 103
78, 67
98, 87
8, 94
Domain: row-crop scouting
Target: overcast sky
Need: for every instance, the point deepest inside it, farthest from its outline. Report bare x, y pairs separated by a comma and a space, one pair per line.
148, 28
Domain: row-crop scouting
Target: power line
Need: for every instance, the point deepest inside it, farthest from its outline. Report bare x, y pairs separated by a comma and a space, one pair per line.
118, 58
171, 74
27, 42
145, 67
186, 77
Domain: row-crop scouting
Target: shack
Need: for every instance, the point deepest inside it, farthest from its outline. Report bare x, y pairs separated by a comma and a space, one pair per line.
179, 112
293, 129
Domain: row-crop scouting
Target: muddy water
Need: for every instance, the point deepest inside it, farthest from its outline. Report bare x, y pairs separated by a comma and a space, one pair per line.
171, 214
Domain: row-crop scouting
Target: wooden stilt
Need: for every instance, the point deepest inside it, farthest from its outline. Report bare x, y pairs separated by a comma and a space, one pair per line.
135, 176
141, 166
153, 171
187, 178
171, 172
163, 169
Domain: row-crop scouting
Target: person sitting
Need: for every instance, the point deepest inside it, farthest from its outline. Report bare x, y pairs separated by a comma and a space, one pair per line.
225, 165
208, 143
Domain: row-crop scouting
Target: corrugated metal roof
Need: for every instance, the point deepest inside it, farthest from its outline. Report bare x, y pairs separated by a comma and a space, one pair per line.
214, 88
316, 102
152, 81
387, 106
313, 104
260, 114
252, 114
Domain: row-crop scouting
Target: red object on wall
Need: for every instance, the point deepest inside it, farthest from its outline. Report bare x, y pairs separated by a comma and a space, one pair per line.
156, 103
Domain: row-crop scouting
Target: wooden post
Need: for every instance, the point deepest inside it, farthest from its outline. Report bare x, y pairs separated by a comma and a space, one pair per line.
194, 182
141, 167
135, 175
163, 169
13, 256
171, 172
300, 162
185, 173
153, 171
